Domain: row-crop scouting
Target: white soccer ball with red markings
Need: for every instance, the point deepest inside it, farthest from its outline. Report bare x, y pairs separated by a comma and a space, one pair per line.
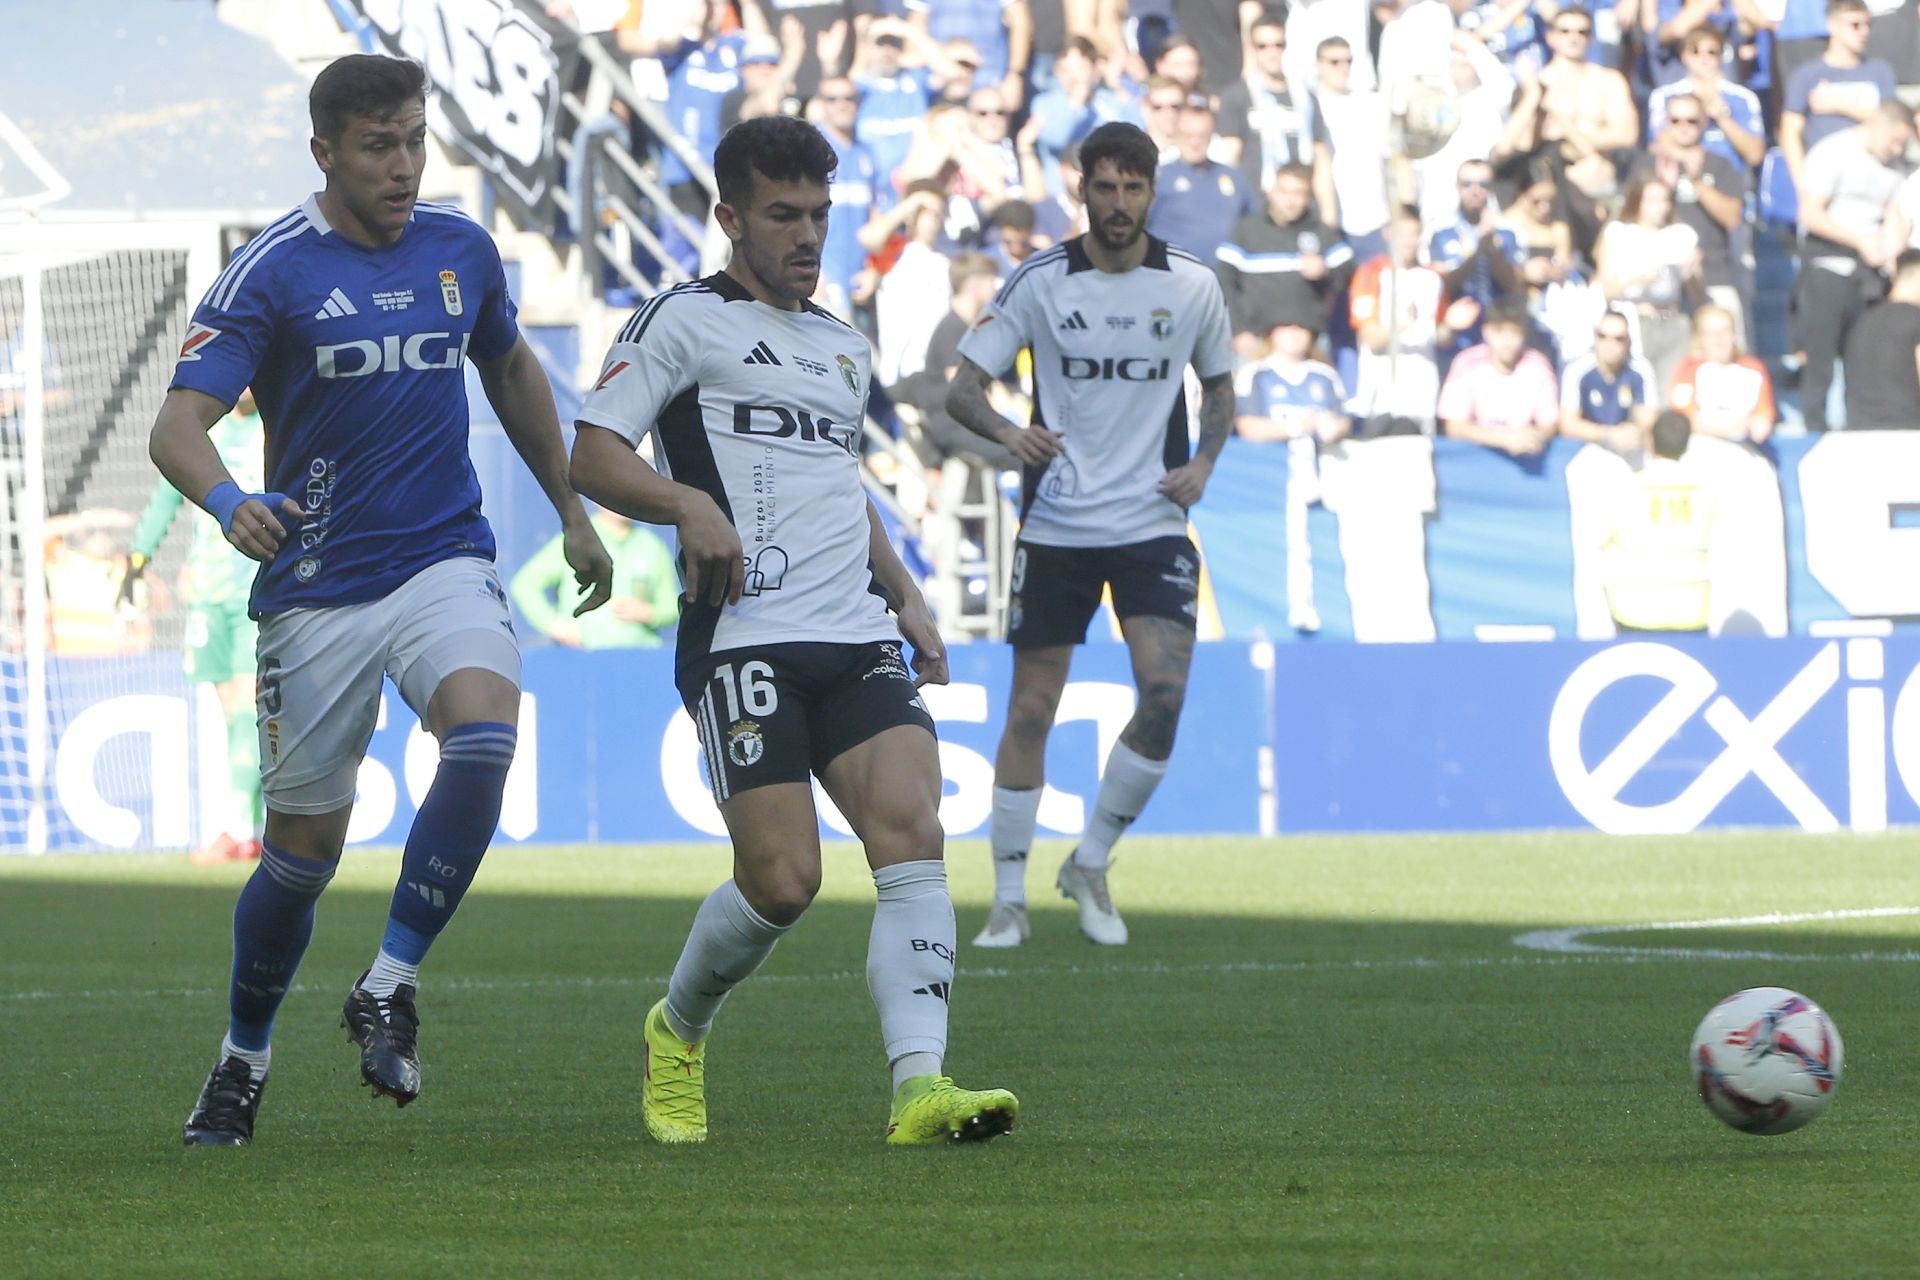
1767, 1060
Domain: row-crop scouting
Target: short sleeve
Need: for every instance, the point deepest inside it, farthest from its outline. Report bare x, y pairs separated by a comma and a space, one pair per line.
1800, 87
495, 329
1004, 327
1570, 393
651, 362
1213, 345
1681, 393
1259, 396
229, 334
1456, 396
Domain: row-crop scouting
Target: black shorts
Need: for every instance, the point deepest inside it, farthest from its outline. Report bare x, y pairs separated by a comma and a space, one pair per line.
1054, 591
777, 712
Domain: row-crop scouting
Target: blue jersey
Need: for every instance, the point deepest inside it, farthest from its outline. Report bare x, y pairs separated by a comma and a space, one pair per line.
891, 108
355, 355
1196, 206
1295, 398
1607, 402
696, 87
1453, 245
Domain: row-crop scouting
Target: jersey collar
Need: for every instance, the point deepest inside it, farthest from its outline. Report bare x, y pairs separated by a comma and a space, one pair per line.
1078, 261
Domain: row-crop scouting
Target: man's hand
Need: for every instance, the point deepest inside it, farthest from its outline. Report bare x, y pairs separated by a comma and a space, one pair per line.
1184, 484
1035, 446
1313, 267
251, 521
565, 633
633, 609
918, 630
592, 566
716, 565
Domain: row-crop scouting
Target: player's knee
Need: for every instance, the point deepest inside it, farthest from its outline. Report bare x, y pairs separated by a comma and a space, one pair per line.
782, 895
1030, 716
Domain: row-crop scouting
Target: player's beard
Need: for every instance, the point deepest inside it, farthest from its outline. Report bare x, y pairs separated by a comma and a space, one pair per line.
1115, 240
781, 279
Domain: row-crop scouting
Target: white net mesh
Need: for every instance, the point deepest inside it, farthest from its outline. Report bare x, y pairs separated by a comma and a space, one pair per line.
97, 740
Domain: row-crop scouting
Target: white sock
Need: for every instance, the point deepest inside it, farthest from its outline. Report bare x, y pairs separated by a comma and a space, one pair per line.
729, 940
1015, 814
910, 963
388, 973
256, 1059
1125, 787
909, 1065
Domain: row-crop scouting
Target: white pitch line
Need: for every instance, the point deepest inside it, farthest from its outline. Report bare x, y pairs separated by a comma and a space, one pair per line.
1566, 957
1568, 942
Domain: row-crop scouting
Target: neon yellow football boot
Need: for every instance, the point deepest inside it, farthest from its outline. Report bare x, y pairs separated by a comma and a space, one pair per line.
930, 1109
673, 1094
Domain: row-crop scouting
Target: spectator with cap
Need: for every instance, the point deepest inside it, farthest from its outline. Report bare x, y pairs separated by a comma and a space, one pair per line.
1502, 393
1842, 89
1292, 394
1197, 202
1283, 257
1883, 356
1609, 397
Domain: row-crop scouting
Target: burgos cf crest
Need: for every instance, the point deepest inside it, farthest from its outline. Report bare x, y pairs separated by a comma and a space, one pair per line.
851, 373
450, 292
744, 743
1162, 323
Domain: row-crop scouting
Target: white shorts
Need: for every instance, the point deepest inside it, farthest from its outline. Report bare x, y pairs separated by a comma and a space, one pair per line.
320, 672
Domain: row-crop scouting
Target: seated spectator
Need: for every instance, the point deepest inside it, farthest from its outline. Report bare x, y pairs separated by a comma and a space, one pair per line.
1608, 398
1732, 126
1850, 181
1709, 192
1481, 258
1076, 105
1265, 121
1197, 202
1396, 309
1293, 395
1502, 393
1723, 391
646, 590
1839, 91
1655, 562
1282, 258
1883, 355
1650, 268
1355, 122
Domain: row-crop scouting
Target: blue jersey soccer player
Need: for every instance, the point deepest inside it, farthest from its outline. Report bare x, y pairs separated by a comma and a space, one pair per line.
788, 662
351, 318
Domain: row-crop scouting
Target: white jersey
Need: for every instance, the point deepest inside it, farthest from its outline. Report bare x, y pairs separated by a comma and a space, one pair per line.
1110, 351
760, 409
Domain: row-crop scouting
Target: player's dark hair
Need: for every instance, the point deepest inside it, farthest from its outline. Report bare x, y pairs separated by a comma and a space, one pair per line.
780, 148
363, 84
1127, 146
1671, 432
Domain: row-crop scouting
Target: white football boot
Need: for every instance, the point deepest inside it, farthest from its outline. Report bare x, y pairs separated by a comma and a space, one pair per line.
1098, 920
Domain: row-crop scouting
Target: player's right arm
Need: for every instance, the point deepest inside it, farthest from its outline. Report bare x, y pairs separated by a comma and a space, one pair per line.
990, 347
182, 450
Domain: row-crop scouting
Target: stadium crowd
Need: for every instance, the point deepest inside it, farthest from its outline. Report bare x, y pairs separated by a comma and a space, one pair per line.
1586, 248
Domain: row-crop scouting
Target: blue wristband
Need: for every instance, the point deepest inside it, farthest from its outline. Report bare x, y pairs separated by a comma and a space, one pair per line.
222, 501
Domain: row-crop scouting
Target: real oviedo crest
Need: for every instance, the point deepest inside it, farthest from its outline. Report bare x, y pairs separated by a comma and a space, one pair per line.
450, 292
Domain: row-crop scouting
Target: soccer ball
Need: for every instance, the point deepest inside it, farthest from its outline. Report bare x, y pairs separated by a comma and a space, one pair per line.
1766, 1060
1426, 120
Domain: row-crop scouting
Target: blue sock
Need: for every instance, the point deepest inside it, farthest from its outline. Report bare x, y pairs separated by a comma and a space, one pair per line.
272, 924
449, 837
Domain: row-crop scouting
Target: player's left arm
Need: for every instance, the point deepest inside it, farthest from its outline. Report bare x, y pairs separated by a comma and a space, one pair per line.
518, 390
909, 606
1184, 484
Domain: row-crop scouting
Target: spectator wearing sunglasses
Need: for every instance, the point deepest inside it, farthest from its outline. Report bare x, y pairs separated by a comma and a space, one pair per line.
1608, 397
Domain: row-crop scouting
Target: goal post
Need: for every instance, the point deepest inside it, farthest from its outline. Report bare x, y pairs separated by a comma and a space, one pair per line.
99, 733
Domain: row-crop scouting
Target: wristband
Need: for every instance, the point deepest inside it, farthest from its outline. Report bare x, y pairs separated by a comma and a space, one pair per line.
222, 501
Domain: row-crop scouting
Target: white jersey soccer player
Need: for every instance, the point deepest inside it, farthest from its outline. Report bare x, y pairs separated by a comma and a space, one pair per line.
788, 659
1113, 319
352, 318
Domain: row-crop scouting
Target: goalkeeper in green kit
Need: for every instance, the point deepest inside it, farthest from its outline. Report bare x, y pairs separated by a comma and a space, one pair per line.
219, 636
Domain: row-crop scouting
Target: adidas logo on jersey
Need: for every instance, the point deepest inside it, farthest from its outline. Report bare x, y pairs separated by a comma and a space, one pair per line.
761, 354
336, 305
1074, 322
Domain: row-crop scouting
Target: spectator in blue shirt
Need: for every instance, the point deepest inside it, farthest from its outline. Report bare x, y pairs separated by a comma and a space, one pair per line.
893, 97
843, 261
1608, 398
1002, 30
1665, 25
1839, 91
1480, 258
1735, 128
1197, 201
1292, 394
1077, 104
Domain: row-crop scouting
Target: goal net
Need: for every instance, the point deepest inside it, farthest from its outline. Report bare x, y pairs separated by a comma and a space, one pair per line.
102, 742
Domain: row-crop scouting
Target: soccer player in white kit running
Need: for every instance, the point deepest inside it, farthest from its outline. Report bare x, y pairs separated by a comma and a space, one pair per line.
1114, 317
787, 657
352, 317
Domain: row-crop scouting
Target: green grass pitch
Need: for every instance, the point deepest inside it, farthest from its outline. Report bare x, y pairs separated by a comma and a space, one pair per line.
1319, 1057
